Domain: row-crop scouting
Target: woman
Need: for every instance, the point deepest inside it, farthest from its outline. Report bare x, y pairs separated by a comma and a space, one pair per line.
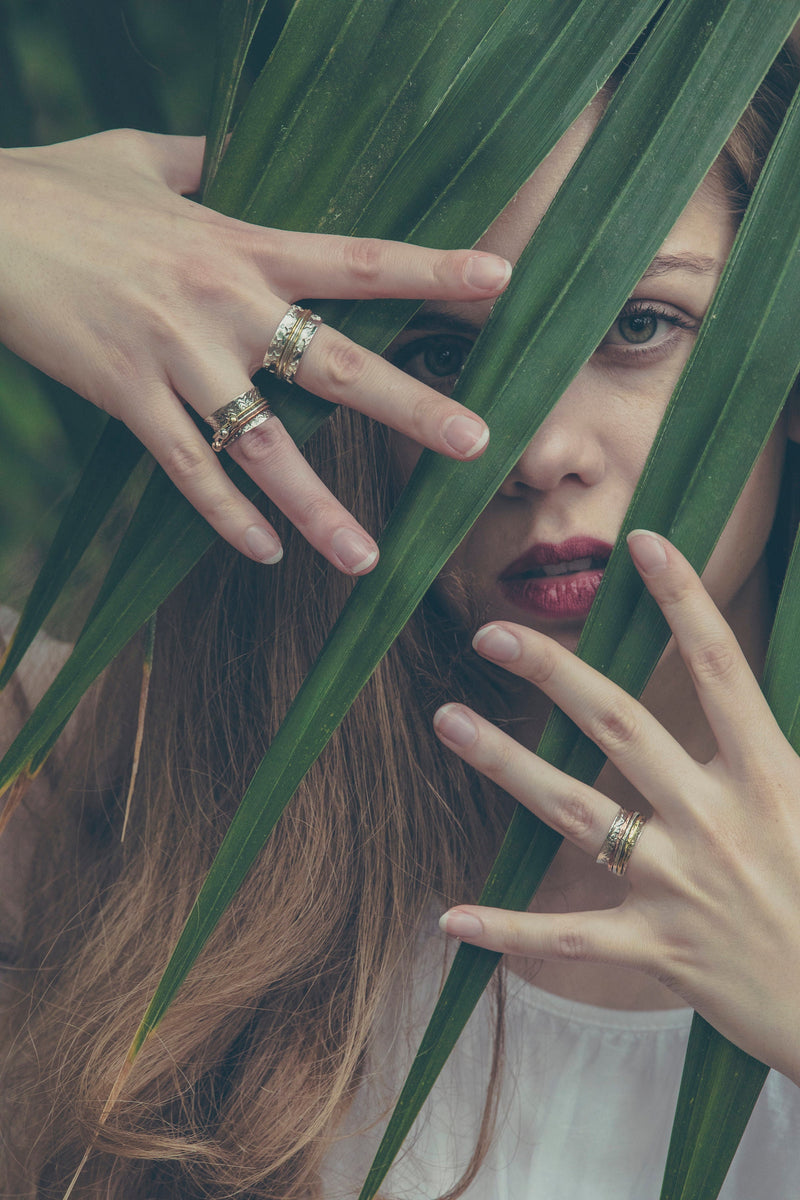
289, 1038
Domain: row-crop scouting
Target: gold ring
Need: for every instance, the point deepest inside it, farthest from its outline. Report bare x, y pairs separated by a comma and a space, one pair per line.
620, 840
246, 412
290, 342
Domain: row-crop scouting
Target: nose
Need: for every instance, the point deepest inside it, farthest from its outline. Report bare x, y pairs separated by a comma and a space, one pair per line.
566, 447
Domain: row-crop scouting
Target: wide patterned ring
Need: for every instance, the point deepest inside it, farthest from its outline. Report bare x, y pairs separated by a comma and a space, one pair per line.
290, 342
620, 840
242, 414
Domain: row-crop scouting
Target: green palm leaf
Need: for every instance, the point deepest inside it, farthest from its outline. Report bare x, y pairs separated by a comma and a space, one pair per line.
780, 669
112, 461
238, 22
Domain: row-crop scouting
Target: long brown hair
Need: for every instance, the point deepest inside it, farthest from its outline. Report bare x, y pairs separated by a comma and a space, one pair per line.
257, 1059
253, 1067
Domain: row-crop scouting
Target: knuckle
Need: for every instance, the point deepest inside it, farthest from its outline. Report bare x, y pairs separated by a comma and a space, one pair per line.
669, 959
184, 461
448, 268
570, 944
267, 245
543, 665
122, 372
573, 816
346, 363
421, 417
719, 837
163, 327
221, 510
667, 977
497, 757
675, 591
202, 279
261, 446
512, 937
364, 258
715, 661
315, 513
614, 727
131, 144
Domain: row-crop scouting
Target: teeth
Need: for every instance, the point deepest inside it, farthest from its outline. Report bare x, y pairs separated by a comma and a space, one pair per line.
568, 568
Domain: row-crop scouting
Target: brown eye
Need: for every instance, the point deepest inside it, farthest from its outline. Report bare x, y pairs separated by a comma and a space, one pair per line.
435, 360
443, 356
644, 329
638, 327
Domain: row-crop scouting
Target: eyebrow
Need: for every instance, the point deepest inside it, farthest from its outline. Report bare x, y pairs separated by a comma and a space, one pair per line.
697, 264
662, 264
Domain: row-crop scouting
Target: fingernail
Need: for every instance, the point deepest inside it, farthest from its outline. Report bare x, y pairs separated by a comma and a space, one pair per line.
354, 551
454, 724
262, 545
460, 924
497, 643
647, 550
465, 435
487, 273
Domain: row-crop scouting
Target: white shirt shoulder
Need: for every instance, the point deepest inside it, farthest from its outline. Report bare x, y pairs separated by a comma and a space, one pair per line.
585, 1108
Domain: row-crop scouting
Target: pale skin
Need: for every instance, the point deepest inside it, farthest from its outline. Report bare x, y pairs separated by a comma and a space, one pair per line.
706, 913
115, 283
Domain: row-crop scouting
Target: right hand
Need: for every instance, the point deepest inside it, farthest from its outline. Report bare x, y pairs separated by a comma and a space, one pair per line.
139, 299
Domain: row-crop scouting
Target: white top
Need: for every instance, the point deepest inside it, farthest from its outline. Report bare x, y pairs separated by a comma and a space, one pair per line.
586, 1108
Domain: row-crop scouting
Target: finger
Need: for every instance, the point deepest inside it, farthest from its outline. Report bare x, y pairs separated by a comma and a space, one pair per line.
161, 423
616, 936
349, 268
345, 373
342, 372
569, 807
630, 737
726, 687
272, 459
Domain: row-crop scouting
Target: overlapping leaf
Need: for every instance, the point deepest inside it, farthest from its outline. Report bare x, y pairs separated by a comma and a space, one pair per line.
112, 461
238, 23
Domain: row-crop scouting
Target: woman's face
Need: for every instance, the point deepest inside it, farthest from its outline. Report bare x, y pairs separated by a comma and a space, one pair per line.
536, 554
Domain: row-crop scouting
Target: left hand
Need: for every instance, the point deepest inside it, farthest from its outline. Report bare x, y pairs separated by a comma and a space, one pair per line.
712, 906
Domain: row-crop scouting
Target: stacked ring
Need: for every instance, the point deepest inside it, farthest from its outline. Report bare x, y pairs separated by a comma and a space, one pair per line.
290, 342
620, 841
246, 412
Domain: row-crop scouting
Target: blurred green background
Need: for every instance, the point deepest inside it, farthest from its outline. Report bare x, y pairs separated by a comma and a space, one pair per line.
69, 68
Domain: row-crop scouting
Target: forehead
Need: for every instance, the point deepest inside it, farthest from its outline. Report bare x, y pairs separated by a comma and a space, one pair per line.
704, 228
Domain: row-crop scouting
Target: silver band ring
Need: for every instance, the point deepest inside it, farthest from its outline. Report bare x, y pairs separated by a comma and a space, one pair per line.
246, 412
290, 342
619, 842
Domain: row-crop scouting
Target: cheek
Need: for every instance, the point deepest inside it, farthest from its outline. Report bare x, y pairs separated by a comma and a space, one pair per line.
741, 546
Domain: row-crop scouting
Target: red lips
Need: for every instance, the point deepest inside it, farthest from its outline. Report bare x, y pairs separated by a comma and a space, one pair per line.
565, 594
